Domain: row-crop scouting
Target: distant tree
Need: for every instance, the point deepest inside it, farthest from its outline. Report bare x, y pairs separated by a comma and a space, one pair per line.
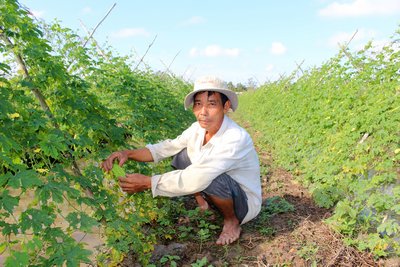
231, 86
252, 84
240, 87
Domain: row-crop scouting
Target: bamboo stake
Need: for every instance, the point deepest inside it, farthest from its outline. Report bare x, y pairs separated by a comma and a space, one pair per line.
344, 48
98, 24
170, 64
93, 31
101, 52
148, 48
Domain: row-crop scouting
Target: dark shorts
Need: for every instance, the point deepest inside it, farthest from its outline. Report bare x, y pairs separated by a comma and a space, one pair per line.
222, 186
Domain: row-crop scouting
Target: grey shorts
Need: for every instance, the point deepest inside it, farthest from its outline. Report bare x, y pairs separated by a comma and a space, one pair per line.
222, 186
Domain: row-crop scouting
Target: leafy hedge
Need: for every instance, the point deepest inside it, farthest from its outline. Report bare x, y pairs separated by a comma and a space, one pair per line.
338, 128
63, 108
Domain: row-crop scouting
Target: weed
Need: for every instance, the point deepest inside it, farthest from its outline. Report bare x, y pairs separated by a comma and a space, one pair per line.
276, 204
171, 259
200, 263
308, 253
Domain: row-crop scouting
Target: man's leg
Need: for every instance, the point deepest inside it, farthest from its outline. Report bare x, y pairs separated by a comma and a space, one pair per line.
181, 161
231, 229
203, 204
226, 194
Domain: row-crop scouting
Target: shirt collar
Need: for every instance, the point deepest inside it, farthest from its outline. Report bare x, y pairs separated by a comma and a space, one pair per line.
222, 129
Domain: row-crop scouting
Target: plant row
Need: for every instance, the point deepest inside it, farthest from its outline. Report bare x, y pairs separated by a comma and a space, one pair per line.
337, 128
64, 107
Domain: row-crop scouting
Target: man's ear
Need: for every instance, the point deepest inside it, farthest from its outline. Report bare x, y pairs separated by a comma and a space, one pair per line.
227, 106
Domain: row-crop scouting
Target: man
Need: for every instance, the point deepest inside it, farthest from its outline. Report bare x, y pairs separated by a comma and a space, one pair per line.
214, 158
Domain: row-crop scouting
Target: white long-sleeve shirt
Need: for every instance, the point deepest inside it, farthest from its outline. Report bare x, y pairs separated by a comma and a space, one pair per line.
229, 151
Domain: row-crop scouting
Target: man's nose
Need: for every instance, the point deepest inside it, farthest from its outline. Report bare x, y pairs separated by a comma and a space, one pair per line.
204, 109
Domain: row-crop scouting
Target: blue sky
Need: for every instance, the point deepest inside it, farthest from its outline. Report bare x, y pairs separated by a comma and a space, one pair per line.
236, 40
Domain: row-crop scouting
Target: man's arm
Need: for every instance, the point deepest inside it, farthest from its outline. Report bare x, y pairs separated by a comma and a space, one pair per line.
142, 155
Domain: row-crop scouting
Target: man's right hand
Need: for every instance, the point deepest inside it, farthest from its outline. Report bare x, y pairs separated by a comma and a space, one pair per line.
122, 157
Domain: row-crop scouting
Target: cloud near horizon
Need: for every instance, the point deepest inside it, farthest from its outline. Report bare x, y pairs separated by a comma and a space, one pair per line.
277, 48
358, 8
130, 32
194, 20
87, 10
214, 51
269, 68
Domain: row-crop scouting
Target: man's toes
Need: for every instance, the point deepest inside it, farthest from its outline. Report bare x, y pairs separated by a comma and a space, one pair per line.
225, 239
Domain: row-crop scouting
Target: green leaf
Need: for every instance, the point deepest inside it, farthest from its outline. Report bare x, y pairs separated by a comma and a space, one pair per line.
118, 171
28, 179
77, 255
7, 228
52, 144
8, 202
17, 258
80, 220
4, 178
37, 219
34, 244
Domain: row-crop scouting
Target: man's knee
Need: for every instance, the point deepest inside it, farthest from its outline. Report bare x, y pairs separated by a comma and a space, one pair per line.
220, 186
223, 186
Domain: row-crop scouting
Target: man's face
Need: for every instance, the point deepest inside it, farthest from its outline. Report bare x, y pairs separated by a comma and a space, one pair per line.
209, 110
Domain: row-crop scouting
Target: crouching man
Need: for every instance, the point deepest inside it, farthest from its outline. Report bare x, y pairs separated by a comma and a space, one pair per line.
214, 160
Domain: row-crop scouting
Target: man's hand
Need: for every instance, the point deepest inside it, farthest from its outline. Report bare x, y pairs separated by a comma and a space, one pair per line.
134, 183
122, 157
141, 155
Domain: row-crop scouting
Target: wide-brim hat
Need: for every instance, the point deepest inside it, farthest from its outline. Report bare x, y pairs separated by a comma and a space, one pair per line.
211, 83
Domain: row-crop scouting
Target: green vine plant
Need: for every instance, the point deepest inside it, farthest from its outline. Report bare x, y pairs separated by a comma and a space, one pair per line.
337, 128
63, 108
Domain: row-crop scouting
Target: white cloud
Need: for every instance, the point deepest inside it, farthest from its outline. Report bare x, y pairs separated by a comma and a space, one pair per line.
87, 10
357, 8
130, 32
195, 20
269, 68
194, 52
277, 48
214, 51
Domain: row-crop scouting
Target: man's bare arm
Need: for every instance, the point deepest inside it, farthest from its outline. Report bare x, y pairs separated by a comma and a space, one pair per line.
141, 155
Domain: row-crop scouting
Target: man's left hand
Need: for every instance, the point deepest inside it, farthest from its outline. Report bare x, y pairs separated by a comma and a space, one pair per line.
134, 183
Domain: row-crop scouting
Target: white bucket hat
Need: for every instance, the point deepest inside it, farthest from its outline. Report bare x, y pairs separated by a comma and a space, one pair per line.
211, 83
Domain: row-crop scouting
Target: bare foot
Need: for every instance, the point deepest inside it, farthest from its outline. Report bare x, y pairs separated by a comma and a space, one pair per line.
203, 204
230, 233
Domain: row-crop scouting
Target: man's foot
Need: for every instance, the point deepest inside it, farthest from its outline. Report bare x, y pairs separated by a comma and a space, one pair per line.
230, 233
